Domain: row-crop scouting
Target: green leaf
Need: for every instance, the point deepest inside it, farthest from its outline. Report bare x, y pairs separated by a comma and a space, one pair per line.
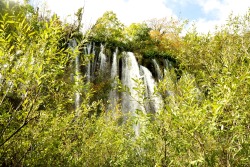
31, 34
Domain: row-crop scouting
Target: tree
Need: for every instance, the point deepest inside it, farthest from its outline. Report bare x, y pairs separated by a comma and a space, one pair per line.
204, 120
165, 36
107, 29
137, 36
33, 68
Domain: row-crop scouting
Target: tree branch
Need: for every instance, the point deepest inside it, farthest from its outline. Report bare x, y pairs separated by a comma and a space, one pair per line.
25, 123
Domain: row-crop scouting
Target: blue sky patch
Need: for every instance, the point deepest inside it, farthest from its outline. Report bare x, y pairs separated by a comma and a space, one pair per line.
190, 11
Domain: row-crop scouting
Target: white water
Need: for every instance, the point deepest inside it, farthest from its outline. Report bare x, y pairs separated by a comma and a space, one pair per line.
1, 80
94, 60
130, 100
168, 66
113, 95
73, 45
154, 100
114, 68
89, 46
130, 71
102, 59
157, 69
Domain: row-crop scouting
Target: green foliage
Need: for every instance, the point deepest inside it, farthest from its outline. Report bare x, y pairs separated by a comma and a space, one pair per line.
33, 68
213, 111
152, 38
108, 29
204, 120
137, 36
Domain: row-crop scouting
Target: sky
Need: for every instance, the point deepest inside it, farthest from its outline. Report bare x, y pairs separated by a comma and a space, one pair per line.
205, 13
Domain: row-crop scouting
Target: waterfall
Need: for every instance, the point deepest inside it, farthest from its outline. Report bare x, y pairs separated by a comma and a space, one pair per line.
88, 72
89, 46
1, 80
103, 59
113, 95
89, 63
167, 69
167, 65
114, 67
73, 45
130, 71
157, 69
130, 100
154, 100
94, 60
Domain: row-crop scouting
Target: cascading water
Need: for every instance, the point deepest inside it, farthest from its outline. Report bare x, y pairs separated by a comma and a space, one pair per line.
89, 46
114, 68
130, 72
73, 45
113, 95
1, 80
89, 63
167, 65
131, 78
154, 101
94, 60
157, 69
102, 59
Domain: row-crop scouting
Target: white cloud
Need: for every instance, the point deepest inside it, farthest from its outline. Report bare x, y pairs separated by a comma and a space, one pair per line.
65, 9
221, 9
224, 7
17, 1
205, 26
237, 7
211, 5
128, 11
139, 10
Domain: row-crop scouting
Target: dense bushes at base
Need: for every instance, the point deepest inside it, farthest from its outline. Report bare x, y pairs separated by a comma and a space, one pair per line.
204, 120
